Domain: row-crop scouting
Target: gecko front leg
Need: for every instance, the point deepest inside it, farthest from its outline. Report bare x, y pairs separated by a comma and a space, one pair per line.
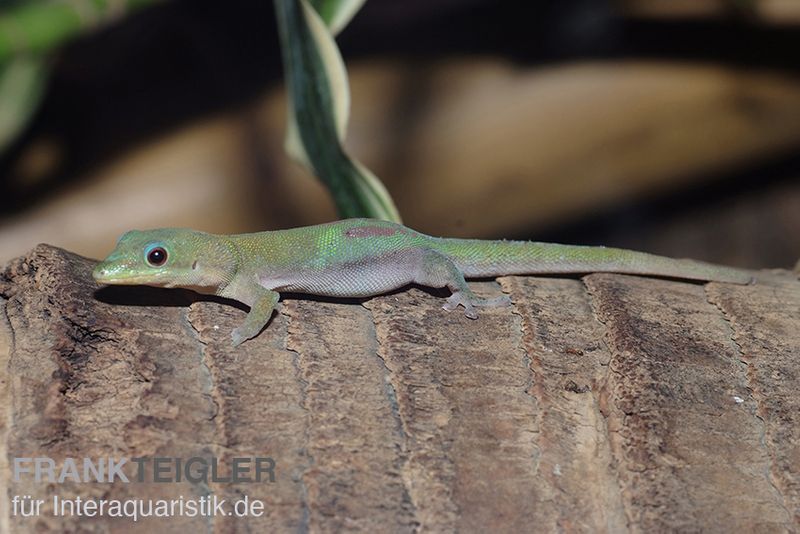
262, 302
260, 313
436, 270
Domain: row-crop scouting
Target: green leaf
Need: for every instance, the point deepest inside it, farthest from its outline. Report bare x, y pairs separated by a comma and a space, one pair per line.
336, 13
40, 26
22, 83
29, 29
319, 102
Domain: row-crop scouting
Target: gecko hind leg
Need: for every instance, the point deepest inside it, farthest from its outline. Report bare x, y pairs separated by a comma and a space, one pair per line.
437, 270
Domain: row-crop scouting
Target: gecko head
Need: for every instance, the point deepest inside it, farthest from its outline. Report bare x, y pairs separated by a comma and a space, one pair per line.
168, 257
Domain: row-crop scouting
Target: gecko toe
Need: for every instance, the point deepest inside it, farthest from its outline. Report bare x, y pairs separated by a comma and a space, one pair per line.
452, 302
457, 299
238, 337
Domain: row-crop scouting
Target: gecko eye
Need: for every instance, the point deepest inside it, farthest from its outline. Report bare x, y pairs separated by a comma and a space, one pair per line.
157, 257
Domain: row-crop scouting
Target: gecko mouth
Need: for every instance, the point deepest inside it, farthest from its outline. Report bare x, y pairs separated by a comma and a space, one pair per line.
120, 275
110, 274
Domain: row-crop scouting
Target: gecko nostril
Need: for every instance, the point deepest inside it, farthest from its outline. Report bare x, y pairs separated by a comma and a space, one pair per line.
99, 272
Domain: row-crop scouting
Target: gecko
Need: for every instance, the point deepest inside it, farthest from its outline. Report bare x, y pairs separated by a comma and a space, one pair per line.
360, 258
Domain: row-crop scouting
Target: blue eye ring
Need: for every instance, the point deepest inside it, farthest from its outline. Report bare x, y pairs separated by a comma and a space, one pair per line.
156, 255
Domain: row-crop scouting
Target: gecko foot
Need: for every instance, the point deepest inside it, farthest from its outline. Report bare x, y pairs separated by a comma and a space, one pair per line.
470, 302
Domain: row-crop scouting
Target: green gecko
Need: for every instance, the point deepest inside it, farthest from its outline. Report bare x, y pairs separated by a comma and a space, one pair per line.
359, 258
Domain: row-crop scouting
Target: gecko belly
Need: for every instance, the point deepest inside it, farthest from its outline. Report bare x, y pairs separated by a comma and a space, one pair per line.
360, 278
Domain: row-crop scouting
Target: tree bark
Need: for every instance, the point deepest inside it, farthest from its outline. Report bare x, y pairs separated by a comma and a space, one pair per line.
607, 403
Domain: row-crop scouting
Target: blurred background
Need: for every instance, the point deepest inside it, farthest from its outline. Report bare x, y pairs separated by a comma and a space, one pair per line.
671, 126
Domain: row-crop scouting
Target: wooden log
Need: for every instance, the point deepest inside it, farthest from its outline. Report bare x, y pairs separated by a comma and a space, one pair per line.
607, 403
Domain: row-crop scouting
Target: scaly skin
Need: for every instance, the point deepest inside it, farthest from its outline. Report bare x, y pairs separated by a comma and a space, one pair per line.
359, 258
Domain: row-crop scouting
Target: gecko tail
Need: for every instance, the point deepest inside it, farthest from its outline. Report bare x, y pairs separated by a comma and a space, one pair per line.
477, 258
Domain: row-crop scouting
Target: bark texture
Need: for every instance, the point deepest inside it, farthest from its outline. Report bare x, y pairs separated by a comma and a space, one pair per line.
604, 404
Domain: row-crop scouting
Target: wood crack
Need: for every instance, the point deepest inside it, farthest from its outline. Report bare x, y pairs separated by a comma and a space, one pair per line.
400, 424
210, 391
611, 413
756, 394
305, 517
534, 367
